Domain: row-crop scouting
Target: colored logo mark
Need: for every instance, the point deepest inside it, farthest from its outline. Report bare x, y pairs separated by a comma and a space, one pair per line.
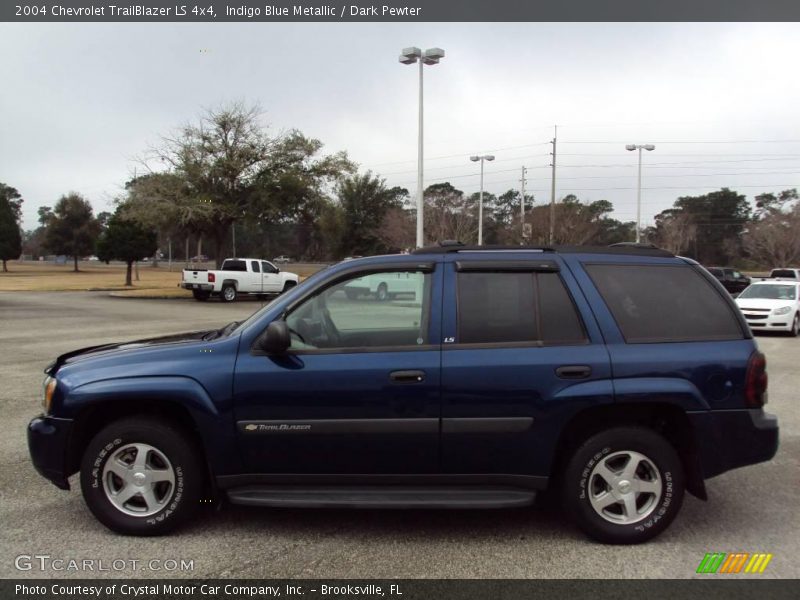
736, 562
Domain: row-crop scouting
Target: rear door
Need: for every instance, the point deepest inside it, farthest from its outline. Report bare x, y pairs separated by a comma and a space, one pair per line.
521, 354
255, 277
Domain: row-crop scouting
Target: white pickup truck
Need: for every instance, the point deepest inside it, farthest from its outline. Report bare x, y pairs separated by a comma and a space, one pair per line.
238, 276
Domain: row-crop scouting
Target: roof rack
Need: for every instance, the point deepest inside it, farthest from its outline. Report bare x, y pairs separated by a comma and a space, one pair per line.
627, 248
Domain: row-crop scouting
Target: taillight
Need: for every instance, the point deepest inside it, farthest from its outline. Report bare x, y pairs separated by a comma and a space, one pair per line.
755, 388
211, 278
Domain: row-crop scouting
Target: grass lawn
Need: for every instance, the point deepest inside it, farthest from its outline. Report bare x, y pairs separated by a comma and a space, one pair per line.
48, 277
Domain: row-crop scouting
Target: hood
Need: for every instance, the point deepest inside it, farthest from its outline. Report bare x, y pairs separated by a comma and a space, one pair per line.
107, 349
762, 303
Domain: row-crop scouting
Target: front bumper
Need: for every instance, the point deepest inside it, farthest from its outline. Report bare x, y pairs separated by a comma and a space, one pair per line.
728, 439
48, 439
764, 321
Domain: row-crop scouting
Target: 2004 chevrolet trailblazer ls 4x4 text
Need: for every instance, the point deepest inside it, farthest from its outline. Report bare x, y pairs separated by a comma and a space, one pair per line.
618, 377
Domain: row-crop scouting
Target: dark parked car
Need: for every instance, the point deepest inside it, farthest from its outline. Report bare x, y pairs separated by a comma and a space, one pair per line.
617, 378
732, 280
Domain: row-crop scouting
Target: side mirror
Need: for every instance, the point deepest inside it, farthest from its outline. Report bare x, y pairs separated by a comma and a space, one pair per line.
276, 338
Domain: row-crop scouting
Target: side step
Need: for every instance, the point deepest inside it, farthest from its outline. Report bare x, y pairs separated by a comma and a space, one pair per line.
381, 497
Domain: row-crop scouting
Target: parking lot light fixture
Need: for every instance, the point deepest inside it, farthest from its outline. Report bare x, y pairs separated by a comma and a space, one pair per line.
431, 56
631, 148
485, 157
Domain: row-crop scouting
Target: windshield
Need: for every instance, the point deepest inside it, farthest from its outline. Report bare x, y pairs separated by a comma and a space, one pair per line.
772, 291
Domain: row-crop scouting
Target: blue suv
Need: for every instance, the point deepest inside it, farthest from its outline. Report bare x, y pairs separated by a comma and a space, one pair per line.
617, 378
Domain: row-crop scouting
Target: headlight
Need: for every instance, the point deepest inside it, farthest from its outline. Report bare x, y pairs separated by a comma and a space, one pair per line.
782, 310
49, 389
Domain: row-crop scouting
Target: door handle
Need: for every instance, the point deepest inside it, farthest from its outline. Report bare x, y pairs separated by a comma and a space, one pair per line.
574, 372
407, 376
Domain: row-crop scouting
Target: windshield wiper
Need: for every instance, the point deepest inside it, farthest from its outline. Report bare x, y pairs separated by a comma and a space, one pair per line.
223, 331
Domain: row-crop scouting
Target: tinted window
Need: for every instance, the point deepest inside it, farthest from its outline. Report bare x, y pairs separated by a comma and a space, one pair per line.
560, 323
496, 307
782, 273
659, 303
516, 307
269, 267
377, 310
256, 268
716, 272
234, 265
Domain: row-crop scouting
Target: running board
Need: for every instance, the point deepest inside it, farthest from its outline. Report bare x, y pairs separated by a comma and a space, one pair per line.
381, 497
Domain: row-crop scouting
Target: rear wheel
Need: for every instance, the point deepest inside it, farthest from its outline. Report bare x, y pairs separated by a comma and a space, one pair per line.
140, 476
228, 293
200, 295
624, 485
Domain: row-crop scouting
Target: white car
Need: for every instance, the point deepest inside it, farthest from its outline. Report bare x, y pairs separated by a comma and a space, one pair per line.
771, 305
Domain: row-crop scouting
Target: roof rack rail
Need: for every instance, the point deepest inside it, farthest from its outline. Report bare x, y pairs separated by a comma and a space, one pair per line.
448, 246
629, 248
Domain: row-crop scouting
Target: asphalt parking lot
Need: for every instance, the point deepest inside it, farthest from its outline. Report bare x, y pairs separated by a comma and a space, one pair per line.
749, 510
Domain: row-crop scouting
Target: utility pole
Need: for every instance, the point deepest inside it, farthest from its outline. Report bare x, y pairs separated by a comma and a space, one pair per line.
522, 204
553, 188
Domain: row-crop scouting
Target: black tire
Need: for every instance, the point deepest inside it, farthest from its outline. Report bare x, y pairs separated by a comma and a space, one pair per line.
605, 449
351, 294
180, 498
795, 331
287, 286
382, 295
200, 295
228, 293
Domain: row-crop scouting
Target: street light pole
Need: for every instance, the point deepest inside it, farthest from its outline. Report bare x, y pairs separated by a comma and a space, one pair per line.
483, 158
431, 56
631, 148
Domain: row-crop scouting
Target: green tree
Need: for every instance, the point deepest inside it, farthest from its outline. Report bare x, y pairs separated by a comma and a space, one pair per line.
719, 219
364, 200
72, 228
10, 236
126, 240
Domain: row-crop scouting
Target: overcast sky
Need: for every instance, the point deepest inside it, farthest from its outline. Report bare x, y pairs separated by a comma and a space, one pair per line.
80, 102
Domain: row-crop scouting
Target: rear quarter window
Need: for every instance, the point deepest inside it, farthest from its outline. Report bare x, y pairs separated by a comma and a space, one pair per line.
234, 265
664, 303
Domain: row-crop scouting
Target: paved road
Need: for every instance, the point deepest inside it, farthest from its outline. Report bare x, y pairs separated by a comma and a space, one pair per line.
752, 509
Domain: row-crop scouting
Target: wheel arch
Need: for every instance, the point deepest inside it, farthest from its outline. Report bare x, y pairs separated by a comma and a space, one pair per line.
174, 402
668, 420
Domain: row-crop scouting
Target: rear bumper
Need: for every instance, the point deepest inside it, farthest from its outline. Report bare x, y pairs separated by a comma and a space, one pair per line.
47, 443
206, 287
728, 439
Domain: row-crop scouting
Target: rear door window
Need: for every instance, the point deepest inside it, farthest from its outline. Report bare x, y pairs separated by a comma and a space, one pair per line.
234, 265
516, 307
664, 303
256, 268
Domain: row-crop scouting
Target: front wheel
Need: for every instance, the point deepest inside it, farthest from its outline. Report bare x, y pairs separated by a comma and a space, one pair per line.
624, 485
287, 286
795, 330
140, 476
382, 295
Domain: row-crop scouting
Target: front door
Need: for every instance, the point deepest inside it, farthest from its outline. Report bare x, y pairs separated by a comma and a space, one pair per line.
271, 278
358, 392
